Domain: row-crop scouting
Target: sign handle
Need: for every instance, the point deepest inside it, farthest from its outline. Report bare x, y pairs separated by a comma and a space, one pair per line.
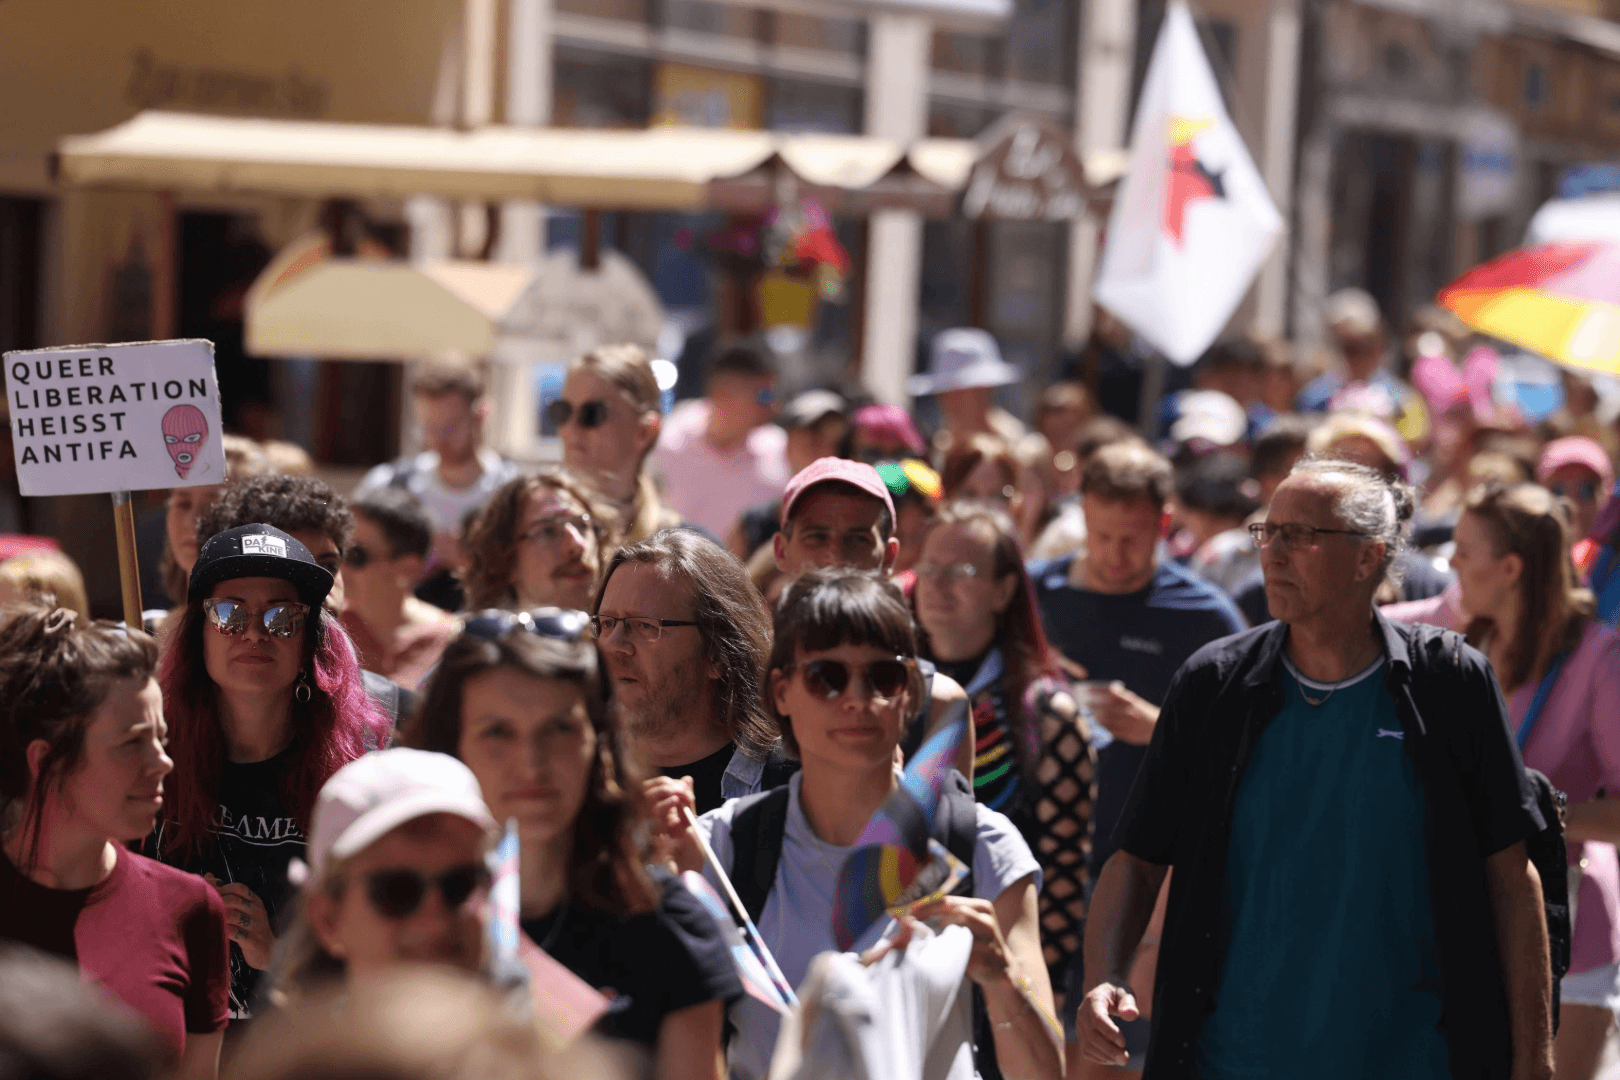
129, 568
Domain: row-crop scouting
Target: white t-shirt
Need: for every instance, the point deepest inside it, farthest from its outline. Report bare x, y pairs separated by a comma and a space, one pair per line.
710, 487
445, 505
797, 921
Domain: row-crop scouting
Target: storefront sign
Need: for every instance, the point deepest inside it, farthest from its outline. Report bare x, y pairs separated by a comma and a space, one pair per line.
1028, 172
99, 418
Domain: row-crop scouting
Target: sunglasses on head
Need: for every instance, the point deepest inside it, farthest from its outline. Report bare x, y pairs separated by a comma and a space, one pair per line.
828, 679
590, 414
550, 622
281, 620
397, 894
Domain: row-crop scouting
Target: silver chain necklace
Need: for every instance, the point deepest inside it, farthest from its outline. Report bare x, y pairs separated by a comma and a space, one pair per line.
1323, 700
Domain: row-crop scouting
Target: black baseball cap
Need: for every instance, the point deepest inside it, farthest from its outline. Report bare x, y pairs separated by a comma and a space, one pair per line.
259, 551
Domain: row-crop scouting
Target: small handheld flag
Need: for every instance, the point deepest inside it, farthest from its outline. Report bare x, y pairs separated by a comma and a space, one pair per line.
750, 969
749, 930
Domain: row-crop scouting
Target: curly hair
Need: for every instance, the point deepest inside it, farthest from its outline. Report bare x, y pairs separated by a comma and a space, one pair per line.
337, 724
290, 503
492, 540
56, 670
732, 622
605, 868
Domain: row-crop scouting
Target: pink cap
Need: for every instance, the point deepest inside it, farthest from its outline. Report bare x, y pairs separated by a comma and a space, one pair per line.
1577, 450
375, 793
828, 469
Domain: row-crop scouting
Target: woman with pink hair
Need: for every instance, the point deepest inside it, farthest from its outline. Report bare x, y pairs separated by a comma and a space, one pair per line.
264, 697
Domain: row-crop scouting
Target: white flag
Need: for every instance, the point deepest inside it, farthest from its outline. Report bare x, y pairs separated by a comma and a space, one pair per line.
1193, 221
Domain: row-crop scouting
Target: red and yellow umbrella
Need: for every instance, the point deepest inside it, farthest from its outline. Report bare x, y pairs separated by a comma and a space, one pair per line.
1561, 300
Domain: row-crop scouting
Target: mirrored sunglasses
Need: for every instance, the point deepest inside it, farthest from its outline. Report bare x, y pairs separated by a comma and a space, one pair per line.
279, 620
550, 622
828, 678
590, 414
398, 894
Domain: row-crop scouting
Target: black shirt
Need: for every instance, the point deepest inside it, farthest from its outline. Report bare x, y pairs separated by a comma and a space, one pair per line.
1455, 727
255, 836
705, 774
647, 966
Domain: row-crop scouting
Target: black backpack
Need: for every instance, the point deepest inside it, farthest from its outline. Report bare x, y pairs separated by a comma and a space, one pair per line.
760, 822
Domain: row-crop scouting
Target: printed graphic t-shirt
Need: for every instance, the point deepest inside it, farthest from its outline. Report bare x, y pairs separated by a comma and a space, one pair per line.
255, 836
1332, 968
151, 935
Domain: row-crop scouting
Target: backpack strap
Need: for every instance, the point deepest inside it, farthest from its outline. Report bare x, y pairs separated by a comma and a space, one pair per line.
956, 824
757, 828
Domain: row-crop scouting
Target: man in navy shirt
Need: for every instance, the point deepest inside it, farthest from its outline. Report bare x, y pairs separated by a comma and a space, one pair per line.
1128, 618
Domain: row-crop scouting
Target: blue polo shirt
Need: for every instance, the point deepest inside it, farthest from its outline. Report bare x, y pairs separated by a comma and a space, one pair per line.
1139, 638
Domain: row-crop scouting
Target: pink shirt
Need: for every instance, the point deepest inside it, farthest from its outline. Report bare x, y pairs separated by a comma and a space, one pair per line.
710, 487
1444, 610
1576, 742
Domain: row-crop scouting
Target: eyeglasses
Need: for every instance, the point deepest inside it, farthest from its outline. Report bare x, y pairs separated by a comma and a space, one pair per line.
638, 628
549, 532
397, 894
949, 573
231, 617
828, 679
549, 622
1585, 491
359, 557
590, 414
1295, 537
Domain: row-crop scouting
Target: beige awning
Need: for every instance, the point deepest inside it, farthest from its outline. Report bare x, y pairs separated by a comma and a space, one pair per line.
374, 309
654, 169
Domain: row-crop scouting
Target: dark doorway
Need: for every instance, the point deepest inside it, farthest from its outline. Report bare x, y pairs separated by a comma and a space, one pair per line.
220, 256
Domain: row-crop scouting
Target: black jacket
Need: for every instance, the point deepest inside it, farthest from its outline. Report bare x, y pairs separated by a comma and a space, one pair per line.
1180, 814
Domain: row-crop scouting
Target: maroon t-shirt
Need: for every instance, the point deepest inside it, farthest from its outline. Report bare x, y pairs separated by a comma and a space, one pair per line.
151, 935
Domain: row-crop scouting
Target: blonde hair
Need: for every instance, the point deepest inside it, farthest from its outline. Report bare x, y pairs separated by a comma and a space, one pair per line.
50, 578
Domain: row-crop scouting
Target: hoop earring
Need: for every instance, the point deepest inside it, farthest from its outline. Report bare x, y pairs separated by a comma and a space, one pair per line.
302, 692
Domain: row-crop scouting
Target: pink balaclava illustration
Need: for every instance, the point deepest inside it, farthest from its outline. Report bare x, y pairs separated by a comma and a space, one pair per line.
184, 430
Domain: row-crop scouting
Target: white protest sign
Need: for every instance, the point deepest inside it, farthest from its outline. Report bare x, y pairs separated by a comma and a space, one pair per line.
101, 418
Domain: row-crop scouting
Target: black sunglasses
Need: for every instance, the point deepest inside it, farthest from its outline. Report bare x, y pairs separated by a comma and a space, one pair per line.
359, 557
551, 622
828, 679
397, 894
591, 414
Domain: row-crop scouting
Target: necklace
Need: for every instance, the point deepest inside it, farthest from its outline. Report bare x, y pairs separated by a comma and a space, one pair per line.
1352, 670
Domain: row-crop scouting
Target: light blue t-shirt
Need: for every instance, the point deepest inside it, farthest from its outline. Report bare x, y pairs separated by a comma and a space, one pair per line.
797, 920
1331, 966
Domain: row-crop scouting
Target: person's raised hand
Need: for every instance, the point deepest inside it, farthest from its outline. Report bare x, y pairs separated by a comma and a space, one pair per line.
990, 962
665, 801
247, 922
1127, 716
1100, 1038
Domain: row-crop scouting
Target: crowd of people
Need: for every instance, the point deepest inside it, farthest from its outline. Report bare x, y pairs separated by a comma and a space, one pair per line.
1251, 684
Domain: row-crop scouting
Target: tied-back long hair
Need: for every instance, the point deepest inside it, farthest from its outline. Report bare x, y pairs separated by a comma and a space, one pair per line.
732, 622
1026, 654
493, 538
338, 724
606, 862
56, 670
1527, 520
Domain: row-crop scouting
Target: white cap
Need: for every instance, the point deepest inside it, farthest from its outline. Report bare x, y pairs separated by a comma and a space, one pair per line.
378, 792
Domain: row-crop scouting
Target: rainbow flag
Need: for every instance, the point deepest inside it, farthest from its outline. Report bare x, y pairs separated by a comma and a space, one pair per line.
896, 864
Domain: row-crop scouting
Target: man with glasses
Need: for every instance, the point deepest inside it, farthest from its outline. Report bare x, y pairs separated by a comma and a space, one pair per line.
684, 636
396, 871
453, 475
1130, 618
399, 636
1346, 814
722, 454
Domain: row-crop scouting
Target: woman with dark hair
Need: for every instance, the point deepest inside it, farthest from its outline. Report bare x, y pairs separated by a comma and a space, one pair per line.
1560, 670
520, 698
82, 762
608, 418
1033, 757
842, 686
540, 541
264, 696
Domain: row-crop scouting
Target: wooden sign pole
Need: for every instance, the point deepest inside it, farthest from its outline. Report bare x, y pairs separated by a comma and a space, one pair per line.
129, 567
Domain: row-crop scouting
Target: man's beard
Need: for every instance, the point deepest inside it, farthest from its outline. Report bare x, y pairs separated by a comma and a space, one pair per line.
664, 706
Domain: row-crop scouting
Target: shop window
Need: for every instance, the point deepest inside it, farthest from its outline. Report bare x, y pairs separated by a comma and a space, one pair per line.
1040, 42
710, 18
819, 32
599, 90
968, 54
805, 106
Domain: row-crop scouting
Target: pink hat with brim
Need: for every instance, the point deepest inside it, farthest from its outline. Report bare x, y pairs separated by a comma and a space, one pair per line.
841, 470
1576, 450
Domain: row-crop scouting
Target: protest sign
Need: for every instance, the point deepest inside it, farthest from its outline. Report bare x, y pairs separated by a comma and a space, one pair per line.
104, 418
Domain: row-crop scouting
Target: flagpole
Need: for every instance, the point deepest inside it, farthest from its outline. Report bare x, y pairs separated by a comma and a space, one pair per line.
752, 931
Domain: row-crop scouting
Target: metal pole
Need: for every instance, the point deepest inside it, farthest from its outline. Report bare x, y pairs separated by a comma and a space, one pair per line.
129, 568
